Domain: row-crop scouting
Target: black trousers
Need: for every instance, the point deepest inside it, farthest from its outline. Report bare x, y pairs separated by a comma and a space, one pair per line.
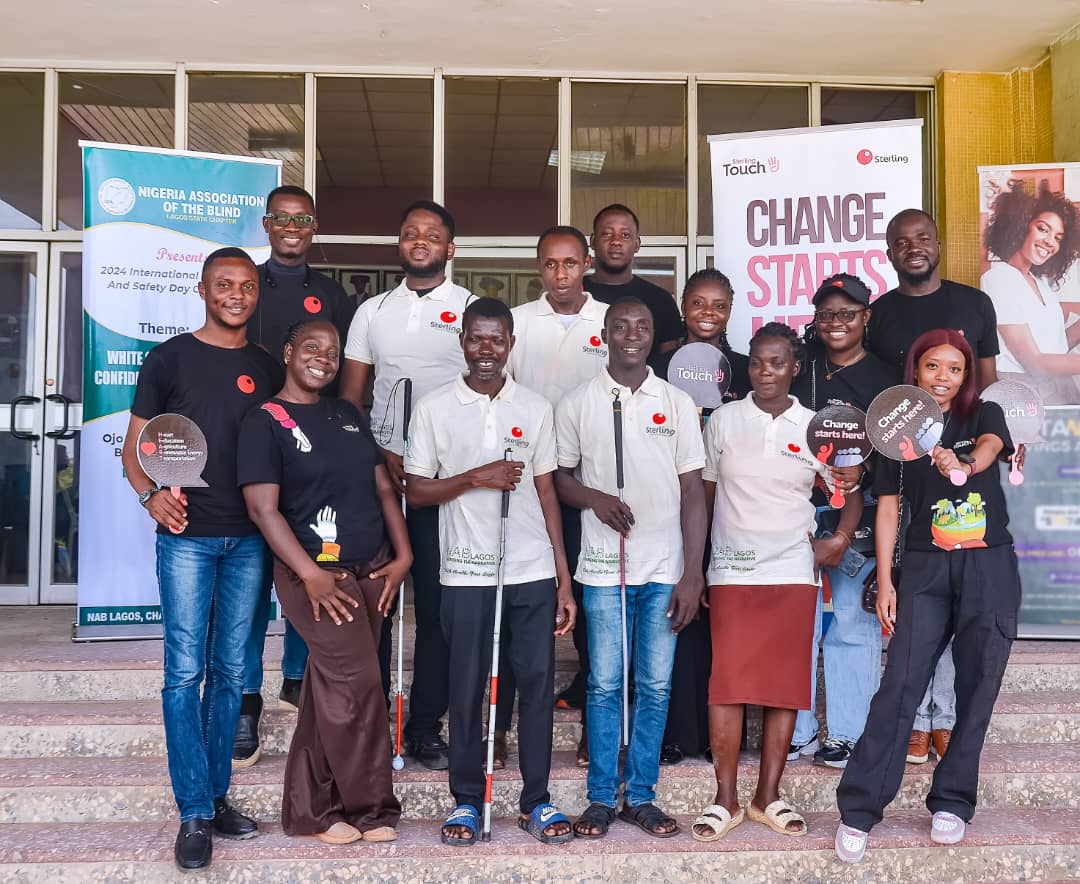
468, 617
571, 530
972, 596
688, 708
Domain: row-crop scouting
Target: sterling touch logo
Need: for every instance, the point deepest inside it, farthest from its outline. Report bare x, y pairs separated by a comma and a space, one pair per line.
116, 196
750, 166
866, 157
659, 428
448, 316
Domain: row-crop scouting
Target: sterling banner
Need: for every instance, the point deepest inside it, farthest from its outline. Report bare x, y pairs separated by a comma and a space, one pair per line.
794, 206
151, 217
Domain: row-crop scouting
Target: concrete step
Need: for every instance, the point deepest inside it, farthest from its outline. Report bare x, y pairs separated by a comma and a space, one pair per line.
79, 790
133, 727
1001, 845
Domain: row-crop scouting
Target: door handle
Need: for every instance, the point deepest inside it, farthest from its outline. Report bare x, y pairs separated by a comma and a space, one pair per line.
65, 432
15, 403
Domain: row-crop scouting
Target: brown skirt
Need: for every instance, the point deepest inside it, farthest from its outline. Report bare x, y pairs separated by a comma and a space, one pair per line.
761, 643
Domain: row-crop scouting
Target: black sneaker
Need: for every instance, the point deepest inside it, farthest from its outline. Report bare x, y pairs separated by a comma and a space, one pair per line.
431, 751
798, 749
671, 754
246, 748
194, 845
290, 693
834, 753
230, 823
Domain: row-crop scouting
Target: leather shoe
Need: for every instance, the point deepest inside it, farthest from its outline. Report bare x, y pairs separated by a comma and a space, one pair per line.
498, 761
431, 751
670, 754
246, 749
939, 740
918, 747
194, 845
230, 823
289, 695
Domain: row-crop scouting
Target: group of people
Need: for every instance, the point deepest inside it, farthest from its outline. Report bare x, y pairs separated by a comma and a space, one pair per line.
684, 549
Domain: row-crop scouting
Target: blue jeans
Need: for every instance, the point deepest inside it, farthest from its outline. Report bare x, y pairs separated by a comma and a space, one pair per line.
852, 651
652, 653
294, 658
209, 589
937, 711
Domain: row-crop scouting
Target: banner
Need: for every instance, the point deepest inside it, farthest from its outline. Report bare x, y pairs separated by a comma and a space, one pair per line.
151, 217
1029, 227
794, 206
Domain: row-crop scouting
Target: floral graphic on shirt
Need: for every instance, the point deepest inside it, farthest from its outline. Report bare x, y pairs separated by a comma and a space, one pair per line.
959, 524
282, 417
325, 526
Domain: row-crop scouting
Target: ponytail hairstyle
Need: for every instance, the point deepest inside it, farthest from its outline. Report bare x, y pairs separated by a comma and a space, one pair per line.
707, 276
786, 333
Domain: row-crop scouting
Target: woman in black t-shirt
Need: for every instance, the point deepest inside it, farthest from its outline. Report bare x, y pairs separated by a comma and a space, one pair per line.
315, 483
959, 581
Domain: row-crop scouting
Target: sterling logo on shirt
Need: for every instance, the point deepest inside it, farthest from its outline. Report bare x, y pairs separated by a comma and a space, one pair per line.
659, 426
446, 322
516, 438
595, 347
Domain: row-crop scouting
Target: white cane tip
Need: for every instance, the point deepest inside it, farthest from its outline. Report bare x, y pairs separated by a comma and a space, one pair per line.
398, 763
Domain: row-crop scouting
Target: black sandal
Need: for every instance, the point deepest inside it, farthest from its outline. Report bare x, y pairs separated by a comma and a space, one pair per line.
649, 818
596, 816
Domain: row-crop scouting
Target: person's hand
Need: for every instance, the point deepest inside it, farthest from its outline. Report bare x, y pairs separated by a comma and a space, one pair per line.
612, 512
886, 605
392, 575
323, 592
846, 478
1020, 456
499, 475
169, 511
565, 609
945, 460
828, 551
395, 466
686, 600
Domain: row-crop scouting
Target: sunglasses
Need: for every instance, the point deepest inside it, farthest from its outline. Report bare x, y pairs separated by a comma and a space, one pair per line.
846, 315
283, 219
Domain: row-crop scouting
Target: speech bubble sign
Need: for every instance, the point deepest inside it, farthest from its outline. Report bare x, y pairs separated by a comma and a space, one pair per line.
1023, 407
702, 371
904, 423
836, 436
172, 451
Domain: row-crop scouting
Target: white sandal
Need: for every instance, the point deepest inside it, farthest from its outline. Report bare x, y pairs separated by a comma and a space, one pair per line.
719, 820
778, 816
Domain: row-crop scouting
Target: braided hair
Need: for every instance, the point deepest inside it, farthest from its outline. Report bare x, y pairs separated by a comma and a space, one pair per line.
784, 332
293, 334
710, 276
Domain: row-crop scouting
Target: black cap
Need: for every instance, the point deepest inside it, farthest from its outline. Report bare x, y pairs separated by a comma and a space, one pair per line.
844, 284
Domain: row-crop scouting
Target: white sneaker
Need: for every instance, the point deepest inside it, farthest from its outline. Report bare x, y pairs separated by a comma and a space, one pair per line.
795, 750
850, 843
947, 828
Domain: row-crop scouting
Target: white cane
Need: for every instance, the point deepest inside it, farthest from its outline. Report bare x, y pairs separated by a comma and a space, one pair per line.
616, 408
399, 762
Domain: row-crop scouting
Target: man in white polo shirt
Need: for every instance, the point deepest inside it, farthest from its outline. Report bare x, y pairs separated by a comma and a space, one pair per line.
456, 461
558, 347
412, 332
663, 521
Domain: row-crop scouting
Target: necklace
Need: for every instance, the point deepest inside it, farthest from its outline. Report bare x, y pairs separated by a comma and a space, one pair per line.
831, 370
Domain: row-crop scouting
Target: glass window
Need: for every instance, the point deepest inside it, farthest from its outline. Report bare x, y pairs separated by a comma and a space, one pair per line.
501, 174
724, 110
373, 151
363, 270
22, 102
629, 146
249, 116
118, 108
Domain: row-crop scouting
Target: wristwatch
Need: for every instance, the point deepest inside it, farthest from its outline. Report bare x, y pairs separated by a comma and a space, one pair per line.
144, 496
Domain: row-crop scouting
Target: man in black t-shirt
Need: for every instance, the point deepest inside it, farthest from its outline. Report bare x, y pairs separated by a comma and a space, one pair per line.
211, 559
615, 241
289, 292
923, 300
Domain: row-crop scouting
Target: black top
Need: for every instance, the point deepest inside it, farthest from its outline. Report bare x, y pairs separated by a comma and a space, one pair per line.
323, 457
288, 295
215, 387
740, 371
667, 321
947, 516
898, 319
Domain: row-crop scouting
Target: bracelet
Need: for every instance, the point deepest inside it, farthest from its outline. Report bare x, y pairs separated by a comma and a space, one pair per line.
971, 469
841, 533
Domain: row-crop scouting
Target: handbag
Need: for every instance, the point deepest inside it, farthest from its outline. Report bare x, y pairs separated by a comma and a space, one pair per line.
870, 584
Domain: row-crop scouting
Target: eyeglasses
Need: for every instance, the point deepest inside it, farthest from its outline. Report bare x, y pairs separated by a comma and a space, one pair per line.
283, 219
846, 315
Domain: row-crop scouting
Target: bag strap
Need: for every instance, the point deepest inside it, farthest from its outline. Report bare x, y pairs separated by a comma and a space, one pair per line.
896, 556
813, 385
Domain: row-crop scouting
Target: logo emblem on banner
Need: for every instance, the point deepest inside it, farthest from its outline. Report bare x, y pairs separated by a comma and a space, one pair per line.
116, 196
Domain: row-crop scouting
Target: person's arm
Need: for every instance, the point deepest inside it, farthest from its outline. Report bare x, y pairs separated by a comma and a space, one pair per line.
319, 583
829, 551
166, 510
607, 507
987, 448
394, 571
986, 372
1022, 345
565, 608
687, 596
499, 475
885, 526
354, 380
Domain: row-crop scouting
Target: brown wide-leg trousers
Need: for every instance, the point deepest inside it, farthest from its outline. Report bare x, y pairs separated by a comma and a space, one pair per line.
339, 760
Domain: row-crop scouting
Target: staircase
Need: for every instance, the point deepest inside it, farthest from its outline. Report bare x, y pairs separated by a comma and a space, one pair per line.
84, 792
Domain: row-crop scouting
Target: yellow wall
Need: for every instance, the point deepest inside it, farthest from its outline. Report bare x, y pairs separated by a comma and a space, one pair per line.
1065, 63
984, 120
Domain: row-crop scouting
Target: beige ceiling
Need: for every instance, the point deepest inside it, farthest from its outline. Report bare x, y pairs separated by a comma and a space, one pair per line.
842, 38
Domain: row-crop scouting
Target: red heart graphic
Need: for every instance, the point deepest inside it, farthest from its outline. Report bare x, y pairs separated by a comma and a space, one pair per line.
312, 304
448, 316
793, 447
246, 384
659, 418
516, 432
148, 448
595, 340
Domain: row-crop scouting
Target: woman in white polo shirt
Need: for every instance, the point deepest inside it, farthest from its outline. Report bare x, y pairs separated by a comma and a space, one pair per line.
762, 578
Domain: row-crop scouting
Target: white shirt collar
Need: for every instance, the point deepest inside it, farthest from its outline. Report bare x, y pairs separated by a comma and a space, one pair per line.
590, 309
790, 414
651, 386
441, 292
467, 394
